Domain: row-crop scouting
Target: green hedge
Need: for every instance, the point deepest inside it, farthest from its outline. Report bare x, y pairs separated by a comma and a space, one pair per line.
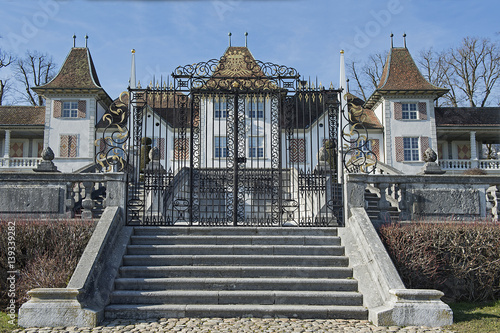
460, 259
46, 253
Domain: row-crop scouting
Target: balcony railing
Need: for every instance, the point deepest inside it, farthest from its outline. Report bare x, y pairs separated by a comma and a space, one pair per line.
20, 162
469, 164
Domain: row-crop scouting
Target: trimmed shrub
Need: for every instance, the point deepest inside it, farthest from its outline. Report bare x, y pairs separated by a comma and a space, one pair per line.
46, 253
475, 172
460, 259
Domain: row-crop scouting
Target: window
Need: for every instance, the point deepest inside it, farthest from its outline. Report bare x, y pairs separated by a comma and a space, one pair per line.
256, 147
364, 145
411, 151
409, 110
220, 144
220, 108
255, 109
70, 109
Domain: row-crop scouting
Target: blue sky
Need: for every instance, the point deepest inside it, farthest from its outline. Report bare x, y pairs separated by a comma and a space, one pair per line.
305, 34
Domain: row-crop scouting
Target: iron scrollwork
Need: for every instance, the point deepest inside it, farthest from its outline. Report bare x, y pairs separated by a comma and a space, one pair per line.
357, 150
112, 153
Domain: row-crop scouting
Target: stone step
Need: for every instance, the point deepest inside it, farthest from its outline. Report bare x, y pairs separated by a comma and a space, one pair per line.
235, 272
142, 311
239, 260
235, 231
236, 297
240, 240
297, 284
243, 250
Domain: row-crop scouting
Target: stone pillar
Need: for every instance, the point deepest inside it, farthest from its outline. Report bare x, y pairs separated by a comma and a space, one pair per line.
383, 203
6, 150
87, 203
473, 150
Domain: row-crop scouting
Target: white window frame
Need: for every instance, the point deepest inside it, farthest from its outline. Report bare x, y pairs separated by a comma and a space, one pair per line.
220, 151
411, 149
361, 145
69, 109
409, 111
255, 109
220, 109
256, 147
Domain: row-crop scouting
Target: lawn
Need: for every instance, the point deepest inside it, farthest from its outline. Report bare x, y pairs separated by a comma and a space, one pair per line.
476, 317
5, 326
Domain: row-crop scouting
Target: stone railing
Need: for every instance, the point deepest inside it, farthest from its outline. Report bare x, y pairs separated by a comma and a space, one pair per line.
489, 164
58, 194
429, 196
469, 164
20, 162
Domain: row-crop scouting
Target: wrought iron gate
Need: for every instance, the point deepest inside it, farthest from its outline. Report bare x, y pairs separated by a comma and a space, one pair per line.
232, 141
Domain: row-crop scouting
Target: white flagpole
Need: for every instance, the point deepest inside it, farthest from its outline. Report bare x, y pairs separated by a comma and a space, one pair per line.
343, 87
132, 72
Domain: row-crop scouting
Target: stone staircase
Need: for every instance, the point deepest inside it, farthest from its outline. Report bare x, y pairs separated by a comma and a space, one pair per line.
371, 206
235, 272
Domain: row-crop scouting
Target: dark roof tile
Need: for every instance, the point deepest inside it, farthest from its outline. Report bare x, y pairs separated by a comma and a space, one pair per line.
22, 115
77, 72
458, 116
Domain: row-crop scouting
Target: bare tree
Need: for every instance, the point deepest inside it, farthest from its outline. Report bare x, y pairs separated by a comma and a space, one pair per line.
360, 86
436, 69
5, 60
476, 68
35, 69
367, 75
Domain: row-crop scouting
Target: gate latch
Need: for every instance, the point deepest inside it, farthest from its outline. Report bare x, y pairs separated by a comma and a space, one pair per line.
241, 160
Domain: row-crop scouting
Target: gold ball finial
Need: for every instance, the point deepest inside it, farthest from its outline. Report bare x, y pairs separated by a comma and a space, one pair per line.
133, 51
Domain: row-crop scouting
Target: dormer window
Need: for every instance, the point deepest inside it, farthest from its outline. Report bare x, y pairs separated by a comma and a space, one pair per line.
70, 109
409, 111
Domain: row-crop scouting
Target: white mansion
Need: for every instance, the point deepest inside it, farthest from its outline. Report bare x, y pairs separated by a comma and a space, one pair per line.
400, 117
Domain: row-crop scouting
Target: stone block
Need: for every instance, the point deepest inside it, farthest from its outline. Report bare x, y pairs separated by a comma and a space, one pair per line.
413, 307
31, 199
52, 307
447, 202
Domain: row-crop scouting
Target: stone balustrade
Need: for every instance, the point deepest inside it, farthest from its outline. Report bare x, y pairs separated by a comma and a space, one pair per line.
447, 197
469, 164
20, 162
58, 194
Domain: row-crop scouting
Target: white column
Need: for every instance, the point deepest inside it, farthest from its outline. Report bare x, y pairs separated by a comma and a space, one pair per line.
473, 150
6, 150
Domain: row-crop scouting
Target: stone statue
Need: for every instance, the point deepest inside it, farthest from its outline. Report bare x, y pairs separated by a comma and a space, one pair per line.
430, 155
431, 167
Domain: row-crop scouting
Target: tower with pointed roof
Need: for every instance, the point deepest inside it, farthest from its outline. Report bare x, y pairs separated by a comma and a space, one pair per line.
404, 104
74, 100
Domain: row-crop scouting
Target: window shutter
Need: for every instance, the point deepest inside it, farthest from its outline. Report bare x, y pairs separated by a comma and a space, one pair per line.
424, 144
181, 149
161, 147
68, 145
399, 145
57, 109
297, 150
398, 111
82, 109
376, 148
102, 147
422, 110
